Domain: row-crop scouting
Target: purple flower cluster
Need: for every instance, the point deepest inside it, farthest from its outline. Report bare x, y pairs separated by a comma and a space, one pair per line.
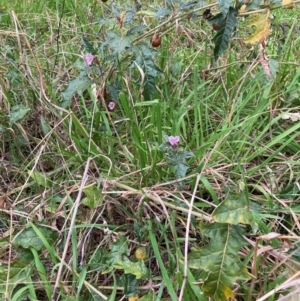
111, 105
174, 141
89, 58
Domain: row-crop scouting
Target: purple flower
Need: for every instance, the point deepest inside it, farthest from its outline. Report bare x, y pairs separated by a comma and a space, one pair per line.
174, 140
111, 105
89, 58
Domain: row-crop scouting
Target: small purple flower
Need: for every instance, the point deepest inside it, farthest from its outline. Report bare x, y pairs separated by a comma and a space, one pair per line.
111, 105
174, 140
89, 58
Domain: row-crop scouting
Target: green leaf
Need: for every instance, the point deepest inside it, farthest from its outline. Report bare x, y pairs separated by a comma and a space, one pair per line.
45, 126
88, 46
14, 269
24, 296
24, 255
147, 103
77, 85
188, 5
129, 282
29, 239
149, 88
148, 297
180, 170
135, 268
99, 259
295, 251
224, 6
143, 57
95, 296
276, 2
221, 39
162, 13
117, 251
178, 160
254, 5
136, 30
274, 66
114, 91
40, 178
17, 113
93, 197
116, 43
220, 260
234, 210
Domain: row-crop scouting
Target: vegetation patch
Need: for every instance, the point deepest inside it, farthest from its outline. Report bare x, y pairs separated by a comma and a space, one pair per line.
149, 150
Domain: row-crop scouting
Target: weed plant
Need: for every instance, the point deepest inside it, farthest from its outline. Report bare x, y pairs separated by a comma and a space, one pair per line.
140, 158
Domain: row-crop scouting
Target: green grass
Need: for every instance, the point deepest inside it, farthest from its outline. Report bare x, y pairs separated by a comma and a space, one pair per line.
83, 186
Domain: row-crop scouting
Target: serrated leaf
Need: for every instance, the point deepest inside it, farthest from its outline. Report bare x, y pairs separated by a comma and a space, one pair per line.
116, 11
262, 25
99, 259
77, 85
224, 6
227, 25
93, 197
117, 250
17, 113
143, 57
220, 260
178, 160
130, 14
162, 13
135, 268
29, 239
234, 210
117, 44
136, 29
180, 170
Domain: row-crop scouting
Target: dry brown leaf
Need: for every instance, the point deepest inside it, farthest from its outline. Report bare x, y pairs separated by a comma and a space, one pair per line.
288, 4
243, 8
263, 59
262, 24
292, 116
2, 202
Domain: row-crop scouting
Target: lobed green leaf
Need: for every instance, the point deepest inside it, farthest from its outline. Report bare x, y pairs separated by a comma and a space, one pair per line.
234, 210
220, 260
